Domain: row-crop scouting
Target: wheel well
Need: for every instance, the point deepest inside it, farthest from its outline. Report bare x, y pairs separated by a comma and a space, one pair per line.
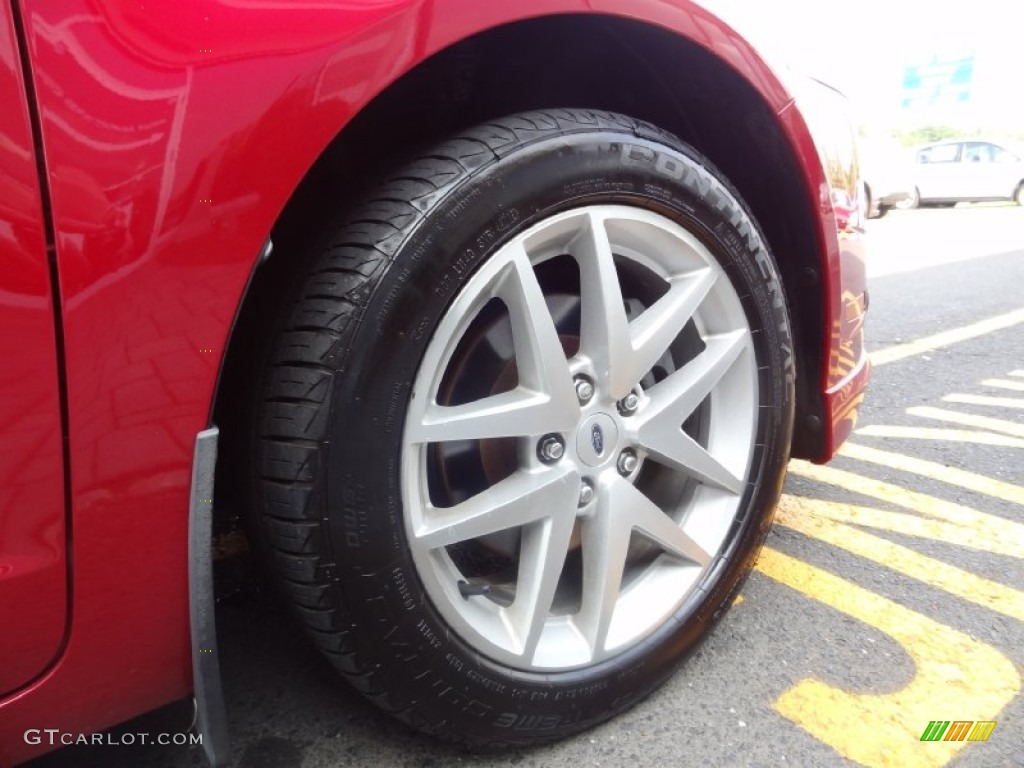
597, 62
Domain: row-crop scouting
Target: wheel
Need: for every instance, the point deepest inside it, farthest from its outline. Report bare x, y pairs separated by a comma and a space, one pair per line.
871, 209
914, 201
1019, 195
525, 424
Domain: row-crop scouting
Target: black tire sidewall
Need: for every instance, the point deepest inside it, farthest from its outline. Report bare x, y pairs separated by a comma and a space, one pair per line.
399, 634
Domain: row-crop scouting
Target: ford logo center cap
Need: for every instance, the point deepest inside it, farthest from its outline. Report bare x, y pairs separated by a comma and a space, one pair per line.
596, 439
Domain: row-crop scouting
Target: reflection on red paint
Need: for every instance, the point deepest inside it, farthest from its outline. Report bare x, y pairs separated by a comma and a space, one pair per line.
33, 573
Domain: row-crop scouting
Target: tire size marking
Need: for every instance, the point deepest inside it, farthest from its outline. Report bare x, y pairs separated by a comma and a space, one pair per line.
428, 634
398, 577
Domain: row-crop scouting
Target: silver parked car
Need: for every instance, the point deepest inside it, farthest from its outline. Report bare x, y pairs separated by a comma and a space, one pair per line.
949, 172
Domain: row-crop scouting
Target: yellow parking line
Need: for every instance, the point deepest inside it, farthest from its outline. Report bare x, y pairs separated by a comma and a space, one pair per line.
980, 539
804, 515
944, 339
953, 673
968, 420
970, 519
998, 402
934, 471
949, 435
1016, 386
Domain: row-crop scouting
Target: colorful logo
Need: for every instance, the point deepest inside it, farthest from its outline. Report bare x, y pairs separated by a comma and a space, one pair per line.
958, 730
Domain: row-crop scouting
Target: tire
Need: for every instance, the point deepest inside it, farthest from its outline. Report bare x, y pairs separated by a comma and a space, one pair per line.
873, 208
1018, 196
459, 279
872, 211
912, 202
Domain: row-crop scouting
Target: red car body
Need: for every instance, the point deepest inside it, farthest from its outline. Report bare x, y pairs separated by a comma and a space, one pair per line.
147, 152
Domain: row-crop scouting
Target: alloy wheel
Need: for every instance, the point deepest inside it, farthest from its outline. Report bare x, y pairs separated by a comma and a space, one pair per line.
578, 438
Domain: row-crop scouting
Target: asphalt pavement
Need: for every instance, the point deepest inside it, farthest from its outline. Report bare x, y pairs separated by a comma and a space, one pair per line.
890, 593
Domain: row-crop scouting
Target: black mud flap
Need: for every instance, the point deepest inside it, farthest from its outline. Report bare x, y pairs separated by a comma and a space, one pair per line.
211, 720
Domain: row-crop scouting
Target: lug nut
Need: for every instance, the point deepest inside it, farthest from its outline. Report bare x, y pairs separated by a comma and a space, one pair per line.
628, 404
586, 493
627, 462
584, 389
550, 449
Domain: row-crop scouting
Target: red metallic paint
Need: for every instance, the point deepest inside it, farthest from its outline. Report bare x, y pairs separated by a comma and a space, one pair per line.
33, 567
840, 241
174, 136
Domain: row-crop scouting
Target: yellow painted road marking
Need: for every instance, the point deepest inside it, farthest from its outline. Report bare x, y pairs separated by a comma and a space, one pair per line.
954, 672
998, 402
944, 339
933, 471
948, 435
920, 503
978, 538
805, 516
968, 420
1016, 386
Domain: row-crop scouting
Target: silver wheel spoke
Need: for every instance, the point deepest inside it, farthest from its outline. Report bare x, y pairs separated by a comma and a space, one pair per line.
653, 332
680, 451
540, 359
604, 327
509, 414
542, 556
674, 399
678, 396
518, 500
623, 352
544, 401
647, 518
605, 544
